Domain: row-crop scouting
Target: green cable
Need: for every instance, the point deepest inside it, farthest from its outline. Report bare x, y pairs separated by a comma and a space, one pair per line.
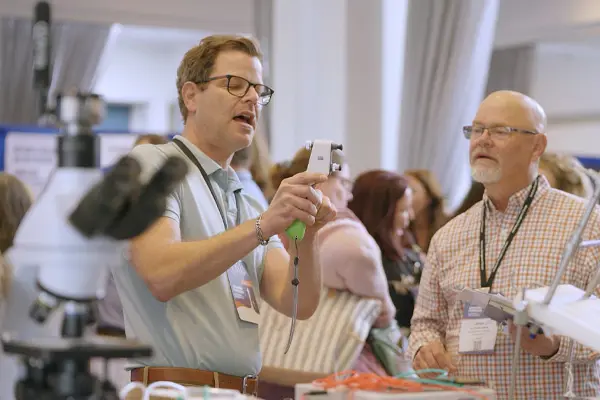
439, 380
414, 375
440, 372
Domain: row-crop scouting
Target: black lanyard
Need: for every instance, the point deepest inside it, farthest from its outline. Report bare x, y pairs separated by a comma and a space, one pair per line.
193, 159
485, 282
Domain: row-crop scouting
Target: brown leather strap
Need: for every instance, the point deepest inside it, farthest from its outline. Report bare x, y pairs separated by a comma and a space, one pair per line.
195, 377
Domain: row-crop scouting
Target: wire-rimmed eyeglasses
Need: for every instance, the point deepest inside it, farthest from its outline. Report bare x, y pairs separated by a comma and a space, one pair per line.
499, 132
238, 87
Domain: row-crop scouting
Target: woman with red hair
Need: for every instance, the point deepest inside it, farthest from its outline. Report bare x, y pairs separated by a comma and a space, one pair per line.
382, 200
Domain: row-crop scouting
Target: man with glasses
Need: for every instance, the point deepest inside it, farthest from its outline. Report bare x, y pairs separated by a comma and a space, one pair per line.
189, 285
511, 240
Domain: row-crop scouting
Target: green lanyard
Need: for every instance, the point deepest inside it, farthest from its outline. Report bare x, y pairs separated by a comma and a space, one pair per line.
487, 282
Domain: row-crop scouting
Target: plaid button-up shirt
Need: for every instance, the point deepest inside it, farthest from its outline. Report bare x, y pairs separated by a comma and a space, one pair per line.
531, 261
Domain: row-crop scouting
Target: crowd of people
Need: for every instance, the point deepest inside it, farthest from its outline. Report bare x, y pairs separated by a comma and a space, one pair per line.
377, 234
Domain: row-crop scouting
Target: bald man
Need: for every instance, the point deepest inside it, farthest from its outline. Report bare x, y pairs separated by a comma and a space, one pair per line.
512, 239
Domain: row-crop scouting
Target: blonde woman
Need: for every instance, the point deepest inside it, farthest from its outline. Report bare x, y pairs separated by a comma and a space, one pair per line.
566, 173
15, 201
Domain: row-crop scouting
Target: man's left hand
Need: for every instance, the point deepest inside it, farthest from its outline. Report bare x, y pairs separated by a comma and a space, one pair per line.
540, 345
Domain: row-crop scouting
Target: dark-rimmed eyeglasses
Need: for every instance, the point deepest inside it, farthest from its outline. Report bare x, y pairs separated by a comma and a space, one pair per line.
238, 87
498, 132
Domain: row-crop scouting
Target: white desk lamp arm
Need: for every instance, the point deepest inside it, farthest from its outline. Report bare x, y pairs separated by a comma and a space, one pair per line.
575, 241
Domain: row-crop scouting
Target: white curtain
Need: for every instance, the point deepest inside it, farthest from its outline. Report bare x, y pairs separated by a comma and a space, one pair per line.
448, 49
263, 32
76, 52
511, 69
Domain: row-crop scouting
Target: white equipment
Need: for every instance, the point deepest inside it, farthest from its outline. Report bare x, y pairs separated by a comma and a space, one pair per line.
61, 255
320, 156
307, 391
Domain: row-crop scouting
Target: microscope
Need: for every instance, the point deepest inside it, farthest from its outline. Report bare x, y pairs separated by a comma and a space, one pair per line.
61, 257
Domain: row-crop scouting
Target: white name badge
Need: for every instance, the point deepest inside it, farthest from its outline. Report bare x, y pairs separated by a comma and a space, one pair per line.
243, 293
477, 332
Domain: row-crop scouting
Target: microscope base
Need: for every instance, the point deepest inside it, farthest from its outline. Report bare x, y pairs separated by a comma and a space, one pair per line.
59, 369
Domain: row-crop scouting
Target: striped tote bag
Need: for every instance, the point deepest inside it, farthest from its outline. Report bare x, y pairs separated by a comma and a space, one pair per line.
331, 340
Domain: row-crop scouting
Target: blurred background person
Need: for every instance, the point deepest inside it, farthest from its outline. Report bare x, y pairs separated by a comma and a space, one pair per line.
350, 257
260, 165
251, 165
150, 139
566, 173
15, 201
428, 206
473, 196
383, 201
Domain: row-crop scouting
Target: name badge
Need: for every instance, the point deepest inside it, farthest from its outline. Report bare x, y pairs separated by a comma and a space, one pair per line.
242, 290
477, 332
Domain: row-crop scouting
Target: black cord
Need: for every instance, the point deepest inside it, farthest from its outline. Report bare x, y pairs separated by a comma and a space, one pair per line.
296, 281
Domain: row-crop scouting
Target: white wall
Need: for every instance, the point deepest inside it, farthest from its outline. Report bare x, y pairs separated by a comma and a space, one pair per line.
351, 93
566, 83
142, 72
567, 66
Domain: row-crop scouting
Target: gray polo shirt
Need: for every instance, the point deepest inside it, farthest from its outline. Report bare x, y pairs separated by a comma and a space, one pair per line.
200, 328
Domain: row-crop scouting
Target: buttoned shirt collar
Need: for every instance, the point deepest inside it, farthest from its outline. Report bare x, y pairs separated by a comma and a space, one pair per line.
516, 201
227, 179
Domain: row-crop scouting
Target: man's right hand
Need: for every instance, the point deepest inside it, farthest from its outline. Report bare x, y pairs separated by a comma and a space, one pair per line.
295, 199
433, 356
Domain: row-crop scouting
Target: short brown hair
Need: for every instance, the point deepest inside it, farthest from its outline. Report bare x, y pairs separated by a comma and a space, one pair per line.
374, 198
151, 139
198, 62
